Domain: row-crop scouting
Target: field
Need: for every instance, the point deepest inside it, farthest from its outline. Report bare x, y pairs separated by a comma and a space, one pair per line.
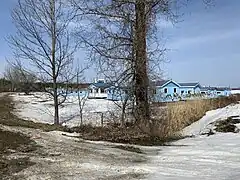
39, 108
62, 155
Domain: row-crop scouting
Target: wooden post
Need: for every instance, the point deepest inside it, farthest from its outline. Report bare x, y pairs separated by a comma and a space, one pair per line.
101, 113
102, 119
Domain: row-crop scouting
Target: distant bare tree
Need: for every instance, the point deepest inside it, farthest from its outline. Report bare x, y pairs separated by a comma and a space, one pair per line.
123, 97
44, 42
82, 94
10, 75
20, 79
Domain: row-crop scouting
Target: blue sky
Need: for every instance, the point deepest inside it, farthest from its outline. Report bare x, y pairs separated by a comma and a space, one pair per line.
203, 47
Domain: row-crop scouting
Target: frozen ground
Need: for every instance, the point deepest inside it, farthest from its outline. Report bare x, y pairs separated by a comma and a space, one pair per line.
38, 107
215, 157
204, 124
235, 91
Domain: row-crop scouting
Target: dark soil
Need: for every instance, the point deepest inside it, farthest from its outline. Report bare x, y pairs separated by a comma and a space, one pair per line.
209, 133
11, 142
15, 141
233, 120
228, 125
130, 148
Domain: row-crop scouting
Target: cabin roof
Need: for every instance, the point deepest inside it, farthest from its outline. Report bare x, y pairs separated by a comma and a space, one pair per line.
101, 85
189, 84
214, 88
161, 82
165, 82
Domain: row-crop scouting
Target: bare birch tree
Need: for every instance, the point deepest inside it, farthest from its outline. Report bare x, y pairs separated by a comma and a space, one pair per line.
82, 95
122, 98
44, 43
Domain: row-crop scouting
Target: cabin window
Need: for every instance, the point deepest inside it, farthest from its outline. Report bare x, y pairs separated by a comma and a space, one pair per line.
182, 92
100, 81
165, 90
189, 92
102, 90
218, 92
175, 90
154, 91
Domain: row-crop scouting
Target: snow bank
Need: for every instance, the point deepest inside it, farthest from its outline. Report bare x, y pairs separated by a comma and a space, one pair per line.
201, 157
204, 125
208, 158
235, 91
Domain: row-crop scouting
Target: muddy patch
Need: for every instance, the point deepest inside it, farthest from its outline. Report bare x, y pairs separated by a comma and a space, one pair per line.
130, 148
228, 125
11, 143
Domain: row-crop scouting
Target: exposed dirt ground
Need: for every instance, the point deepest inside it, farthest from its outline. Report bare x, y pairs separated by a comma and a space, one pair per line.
10, 143
32, 151
63, 157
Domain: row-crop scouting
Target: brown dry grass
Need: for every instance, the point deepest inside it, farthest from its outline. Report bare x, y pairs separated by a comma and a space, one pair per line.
178, 115
166, 123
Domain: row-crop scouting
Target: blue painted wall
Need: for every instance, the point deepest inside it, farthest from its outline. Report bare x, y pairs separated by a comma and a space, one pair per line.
189, 90
167, 93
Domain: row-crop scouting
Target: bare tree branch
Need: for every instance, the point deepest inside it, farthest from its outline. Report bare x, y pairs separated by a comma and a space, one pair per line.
44, 43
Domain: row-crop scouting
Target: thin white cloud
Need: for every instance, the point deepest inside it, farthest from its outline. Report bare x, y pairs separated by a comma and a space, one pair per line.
189, 41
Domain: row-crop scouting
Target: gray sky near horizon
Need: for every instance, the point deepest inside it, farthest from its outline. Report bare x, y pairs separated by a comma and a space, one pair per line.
204, 47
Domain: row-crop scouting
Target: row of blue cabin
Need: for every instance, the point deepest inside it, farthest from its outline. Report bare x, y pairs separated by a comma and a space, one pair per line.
169, 90
162, 91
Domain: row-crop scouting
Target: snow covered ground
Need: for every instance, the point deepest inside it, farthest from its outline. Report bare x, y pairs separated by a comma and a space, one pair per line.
215, 157
235, 91
204, 124
39, 108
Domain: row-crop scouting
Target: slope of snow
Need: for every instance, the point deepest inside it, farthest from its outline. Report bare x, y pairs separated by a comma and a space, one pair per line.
235, 91
204, 125
209, 158
203, 157
215, 157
